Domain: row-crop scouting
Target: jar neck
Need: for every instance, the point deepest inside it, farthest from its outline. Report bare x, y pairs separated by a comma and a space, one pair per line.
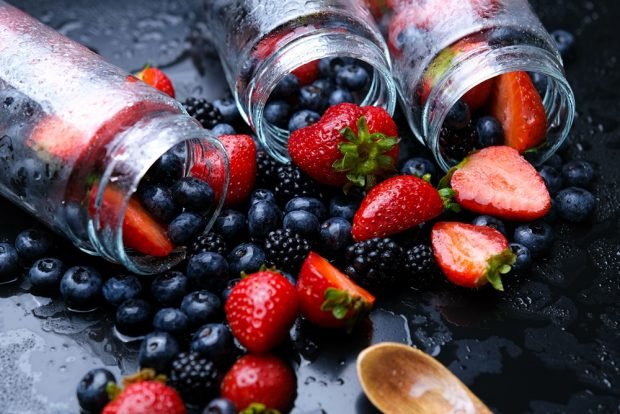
128, 158
484, 63
313, 46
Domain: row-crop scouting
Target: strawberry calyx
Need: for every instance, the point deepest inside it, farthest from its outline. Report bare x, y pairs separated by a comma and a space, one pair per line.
258, 408
499, 265
364, 155
342, 304
146, 374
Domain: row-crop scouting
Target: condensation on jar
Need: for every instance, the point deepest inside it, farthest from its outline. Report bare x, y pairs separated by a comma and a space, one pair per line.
84, 146
458, 62
286, 62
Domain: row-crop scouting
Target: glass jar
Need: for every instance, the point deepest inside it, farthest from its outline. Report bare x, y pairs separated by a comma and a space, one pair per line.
260, 42
77, 138
443, 50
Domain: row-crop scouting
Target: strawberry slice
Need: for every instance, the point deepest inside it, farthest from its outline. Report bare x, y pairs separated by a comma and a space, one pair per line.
478, 96
519, 108
140, 231
307, 73
157, 79
327, 297
498, 181
471, 256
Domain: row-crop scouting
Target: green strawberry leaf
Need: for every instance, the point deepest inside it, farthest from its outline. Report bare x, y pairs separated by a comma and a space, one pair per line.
499, 265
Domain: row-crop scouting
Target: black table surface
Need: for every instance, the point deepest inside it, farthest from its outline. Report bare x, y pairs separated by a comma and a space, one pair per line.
549, 344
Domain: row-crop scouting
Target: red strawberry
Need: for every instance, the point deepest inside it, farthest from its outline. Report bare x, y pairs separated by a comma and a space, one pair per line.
327, 297
499, 182
261, 310
348, 145
397, 204
519, 108
478, 96
241, 151
157, 79
471, 256
264, 381
146, 397
307, 73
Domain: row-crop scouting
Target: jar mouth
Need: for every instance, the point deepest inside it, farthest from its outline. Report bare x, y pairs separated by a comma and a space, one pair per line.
486, 63
312, 47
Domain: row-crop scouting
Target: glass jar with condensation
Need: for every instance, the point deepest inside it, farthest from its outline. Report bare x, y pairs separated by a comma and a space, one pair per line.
79, 136
261, 42
444, 52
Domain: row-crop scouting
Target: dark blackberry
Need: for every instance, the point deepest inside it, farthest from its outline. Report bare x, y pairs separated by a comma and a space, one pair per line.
292, 182
286, 250
420, 264
375, 263
204, 112
196, 378
457, 144
210, 242
266, 168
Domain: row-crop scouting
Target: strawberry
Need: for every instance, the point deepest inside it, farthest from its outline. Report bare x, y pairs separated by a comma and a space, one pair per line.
140, 231
397, 204
241, 152
157, 79
499, 182
349, 145
261, 382
261, 310
519, 108
327, 297
307, 73
478, 96
471, 256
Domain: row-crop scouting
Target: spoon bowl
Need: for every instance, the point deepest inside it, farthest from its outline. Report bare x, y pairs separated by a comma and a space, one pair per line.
399, 379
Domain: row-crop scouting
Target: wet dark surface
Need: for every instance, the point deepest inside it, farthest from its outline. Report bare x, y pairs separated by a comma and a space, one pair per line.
549, 344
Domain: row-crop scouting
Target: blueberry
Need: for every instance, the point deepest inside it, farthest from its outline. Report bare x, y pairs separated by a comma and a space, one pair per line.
277, 113
229, 287
575, 204
170, 320
230, 224
201, 307
303, 223
185, 227
246, 257
263, 217
228, 109
9, 262
214, 341
490, 132
490, 221
541, 82
338, 96
157, 351
458, 117
410, 36
576, 173
168, 168
343, 206
287, 87
324, 84
335, 234
158, 201
552, 179
133, 317
309, 204
33, 244
261, 194
507, 36
524, 257
92, 393
208, 270
169, 289
536, 236
27, 176
80, 287
353, 77
220, 406
565, 41
118, 289
419, 167
555, 161
223, 129
193, 194
312, 97
302, 119
45, 275
330, 66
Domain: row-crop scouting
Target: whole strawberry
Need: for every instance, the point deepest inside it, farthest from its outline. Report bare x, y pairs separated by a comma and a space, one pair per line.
262, 382
261, 309
349, 145
157, 79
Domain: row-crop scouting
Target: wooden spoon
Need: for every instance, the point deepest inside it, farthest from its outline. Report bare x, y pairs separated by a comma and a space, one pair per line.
399, 379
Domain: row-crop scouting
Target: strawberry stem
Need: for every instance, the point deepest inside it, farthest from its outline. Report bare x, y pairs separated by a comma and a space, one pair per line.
447, 197
342, 305
499, 265
258, 408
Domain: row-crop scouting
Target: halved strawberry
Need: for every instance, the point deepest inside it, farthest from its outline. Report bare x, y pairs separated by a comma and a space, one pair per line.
519, 108
327, 297
498, 181
478, 96
307, 73
157, 79
471, 256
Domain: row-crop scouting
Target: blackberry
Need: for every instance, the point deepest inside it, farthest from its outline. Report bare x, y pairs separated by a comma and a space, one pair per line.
196, 378
286, 249
266, 168
210, 242
292, 182
375, 263
204, 112
457, 144
419, 264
